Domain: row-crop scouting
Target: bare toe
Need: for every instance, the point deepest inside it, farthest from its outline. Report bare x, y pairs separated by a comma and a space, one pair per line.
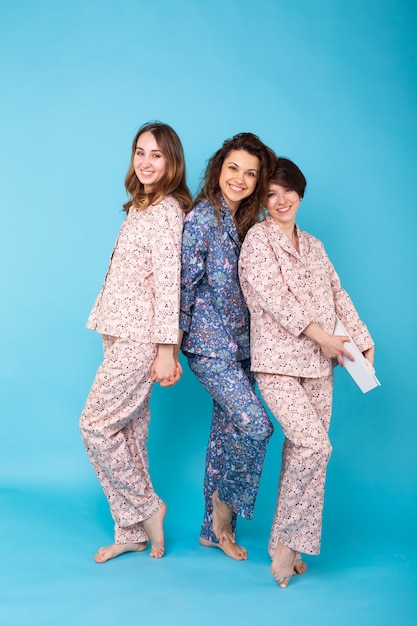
283, 564
239, 553
299, 566
222, 517
101, 556
116, 549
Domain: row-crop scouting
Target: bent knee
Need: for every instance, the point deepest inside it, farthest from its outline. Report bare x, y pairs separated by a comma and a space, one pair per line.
267, 429
261, 430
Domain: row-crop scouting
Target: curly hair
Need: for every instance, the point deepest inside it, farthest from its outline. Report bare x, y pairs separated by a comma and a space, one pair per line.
251, 208
174, 180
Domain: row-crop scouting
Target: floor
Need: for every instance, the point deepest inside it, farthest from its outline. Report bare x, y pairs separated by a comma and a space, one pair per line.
49, 577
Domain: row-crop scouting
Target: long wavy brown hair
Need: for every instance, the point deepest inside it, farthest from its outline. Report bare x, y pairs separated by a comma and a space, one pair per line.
174, 181
251, 208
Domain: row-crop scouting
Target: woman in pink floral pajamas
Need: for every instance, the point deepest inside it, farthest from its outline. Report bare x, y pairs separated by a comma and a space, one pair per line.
137, 313
294, 294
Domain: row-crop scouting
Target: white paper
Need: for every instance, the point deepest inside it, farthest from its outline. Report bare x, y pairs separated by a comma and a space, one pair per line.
360, 369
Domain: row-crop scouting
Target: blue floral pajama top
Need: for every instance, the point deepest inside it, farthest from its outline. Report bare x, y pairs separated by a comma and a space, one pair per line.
213, 312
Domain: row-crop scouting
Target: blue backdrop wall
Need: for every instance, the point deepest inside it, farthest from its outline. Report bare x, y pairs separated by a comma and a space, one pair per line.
331, 85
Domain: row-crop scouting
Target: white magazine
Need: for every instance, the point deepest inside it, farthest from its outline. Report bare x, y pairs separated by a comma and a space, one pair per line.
360, 369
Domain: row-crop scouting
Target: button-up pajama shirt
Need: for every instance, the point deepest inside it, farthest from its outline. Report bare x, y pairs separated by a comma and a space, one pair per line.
285, 291
215, 321
136, 309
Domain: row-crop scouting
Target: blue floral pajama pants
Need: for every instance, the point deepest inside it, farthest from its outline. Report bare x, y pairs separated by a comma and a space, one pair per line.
240, 431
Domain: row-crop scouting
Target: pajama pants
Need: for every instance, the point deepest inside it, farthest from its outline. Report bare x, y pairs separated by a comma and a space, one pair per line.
240, 431
114, 427
303, 408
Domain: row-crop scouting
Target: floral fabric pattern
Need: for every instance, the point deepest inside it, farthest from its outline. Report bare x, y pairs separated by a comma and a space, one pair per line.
137, 308
114, 427
140, 296
215, 320
285, 291
214, 315
303, 408
240, 431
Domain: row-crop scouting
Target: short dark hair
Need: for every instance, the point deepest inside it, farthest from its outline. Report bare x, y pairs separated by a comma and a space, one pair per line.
288, 174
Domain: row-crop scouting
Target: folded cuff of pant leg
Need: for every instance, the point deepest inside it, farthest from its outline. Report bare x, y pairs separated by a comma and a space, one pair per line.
130, 515
130, 534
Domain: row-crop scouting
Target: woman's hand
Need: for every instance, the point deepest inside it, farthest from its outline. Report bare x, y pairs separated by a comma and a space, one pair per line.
166, 369
178, 368
369, 355
172, 381
331, 345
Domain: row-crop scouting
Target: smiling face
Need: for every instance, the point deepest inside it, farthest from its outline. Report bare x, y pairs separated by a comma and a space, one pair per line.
282, 204
149, 162
238, 177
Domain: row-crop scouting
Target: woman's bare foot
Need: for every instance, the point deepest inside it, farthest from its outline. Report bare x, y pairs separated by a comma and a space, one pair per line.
116, 549
222, 529
283, 565
153, 527
299, 566
222, 518
230, 549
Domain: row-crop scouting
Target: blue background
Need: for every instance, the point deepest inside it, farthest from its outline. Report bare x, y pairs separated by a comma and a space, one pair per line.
330, 84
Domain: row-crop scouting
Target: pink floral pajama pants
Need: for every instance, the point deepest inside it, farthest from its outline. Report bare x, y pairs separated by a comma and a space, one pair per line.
303, 408
114, 427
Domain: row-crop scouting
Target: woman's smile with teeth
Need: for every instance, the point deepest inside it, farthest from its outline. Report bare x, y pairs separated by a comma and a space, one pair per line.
235, 187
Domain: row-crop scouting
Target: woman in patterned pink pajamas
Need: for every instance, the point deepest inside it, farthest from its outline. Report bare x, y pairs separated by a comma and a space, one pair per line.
137, 313
294, 294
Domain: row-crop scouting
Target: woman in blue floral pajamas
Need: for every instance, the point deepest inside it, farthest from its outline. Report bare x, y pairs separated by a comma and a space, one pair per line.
215, 322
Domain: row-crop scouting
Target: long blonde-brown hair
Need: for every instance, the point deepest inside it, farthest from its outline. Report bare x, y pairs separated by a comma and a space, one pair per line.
174, 180
251, 208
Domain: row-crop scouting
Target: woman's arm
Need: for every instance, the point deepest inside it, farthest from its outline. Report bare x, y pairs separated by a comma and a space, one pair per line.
166, 268
193, 262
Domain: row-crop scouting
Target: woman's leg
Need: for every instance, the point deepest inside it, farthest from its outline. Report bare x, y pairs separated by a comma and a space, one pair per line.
114, 426
303, 408
239, 434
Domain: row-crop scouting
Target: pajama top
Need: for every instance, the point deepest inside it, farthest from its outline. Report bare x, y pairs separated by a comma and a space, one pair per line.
139, 300
214, 315
285, 292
